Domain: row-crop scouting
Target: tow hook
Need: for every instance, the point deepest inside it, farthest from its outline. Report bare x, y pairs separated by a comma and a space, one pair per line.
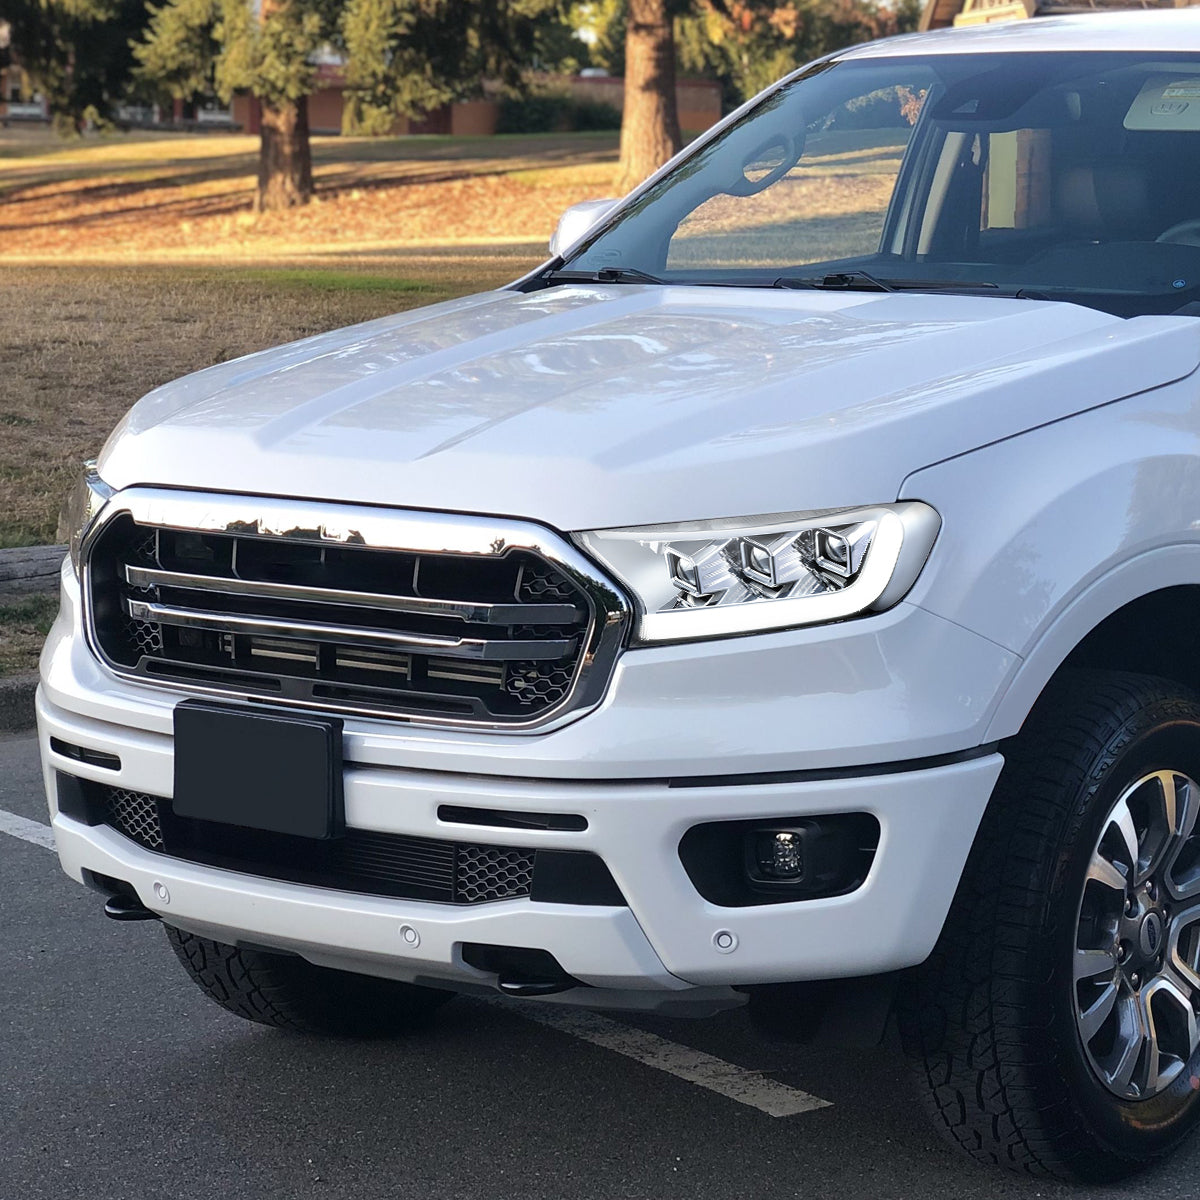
516, 987
122, 907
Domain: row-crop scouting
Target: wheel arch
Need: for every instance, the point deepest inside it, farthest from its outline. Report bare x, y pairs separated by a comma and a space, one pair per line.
1117, 623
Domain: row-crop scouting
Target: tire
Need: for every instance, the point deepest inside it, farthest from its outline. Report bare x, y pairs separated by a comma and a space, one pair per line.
288, 992
1020, 1064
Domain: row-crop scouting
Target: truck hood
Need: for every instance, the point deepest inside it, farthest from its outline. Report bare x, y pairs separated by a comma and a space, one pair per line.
592, 406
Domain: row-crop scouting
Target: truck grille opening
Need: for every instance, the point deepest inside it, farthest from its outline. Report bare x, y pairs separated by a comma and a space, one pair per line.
496, 639
361, 860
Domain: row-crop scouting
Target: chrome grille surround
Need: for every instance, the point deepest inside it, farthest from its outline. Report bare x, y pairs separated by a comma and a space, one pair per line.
571, 618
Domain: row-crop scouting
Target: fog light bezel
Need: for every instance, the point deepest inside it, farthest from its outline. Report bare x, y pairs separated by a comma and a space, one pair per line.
720, 861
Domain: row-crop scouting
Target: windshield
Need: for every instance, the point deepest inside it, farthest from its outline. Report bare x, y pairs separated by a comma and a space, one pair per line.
1056, 175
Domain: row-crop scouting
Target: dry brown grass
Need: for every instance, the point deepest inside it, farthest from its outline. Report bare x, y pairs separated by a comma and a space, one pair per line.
23, 628
79, 345
174, 197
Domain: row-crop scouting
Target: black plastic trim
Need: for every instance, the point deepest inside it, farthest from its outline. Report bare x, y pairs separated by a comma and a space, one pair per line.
75, 799
574, 877
900, 767
457, 814
92, 758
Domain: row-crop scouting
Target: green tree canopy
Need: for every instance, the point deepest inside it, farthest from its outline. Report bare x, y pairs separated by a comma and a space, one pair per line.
77, 53
406, 57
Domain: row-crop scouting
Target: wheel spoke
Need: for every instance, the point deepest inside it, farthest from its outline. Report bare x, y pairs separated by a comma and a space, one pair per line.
1185, 824
1091, 1019
1090, 963
1105, 873
1183, 949
1131, 1039
1164, 848
1152, 1071
1122, 820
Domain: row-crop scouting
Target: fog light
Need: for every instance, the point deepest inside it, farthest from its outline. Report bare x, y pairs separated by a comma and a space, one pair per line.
780, 854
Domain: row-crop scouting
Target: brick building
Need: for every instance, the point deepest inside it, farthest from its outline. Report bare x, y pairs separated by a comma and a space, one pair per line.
699, 103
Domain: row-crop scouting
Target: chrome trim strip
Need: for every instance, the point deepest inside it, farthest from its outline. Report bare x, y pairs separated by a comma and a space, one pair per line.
482, 614
381, 529
351, 635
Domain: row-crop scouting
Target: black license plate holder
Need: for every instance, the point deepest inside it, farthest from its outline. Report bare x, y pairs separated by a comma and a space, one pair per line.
259, 769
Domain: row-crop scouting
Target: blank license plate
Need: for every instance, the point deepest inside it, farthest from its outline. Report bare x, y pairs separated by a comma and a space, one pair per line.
259, 770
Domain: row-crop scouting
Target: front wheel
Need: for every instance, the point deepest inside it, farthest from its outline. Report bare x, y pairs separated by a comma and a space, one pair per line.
288, 992
1055, 1026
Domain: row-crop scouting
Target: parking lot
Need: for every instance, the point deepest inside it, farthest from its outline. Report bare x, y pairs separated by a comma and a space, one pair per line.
119, 1081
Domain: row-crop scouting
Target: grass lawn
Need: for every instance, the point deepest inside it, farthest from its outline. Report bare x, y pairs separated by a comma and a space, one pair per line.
138, 198
23, 627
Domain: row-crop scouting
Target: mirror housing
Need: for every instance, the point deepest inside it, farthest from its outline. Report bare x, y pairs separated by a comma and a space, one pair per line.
576, 221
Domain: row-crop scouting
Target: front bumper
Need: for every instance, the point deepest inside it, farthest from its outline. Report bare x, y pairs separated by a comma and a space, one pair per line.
665, 940
874, 691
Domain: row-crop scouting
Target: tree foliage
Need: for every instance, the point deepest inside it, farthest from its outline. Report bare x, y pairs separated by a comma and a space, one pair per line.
77, 53
406, 57
748, 44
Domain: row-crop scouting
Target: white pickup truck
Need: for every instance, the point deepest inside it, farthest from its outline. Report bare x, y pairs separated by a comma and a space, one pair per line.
787, 596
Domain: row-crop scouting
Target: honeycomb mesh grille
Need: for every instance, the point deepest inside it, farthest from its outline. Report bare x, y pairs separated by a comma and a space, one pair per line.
135, 815
492, 873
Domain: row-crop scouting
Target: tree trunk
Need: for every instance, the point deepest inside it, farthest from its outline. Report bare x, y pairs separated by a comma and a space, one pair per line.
285, 177
650, 124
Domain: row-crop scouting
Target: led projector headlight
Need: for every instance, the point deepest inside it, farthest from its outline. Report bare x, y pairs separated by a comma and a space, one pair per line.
723, 578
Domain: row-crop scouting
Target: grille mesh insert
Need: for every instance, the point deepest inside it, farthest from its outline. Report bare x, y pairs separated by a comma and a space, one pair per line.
135, 815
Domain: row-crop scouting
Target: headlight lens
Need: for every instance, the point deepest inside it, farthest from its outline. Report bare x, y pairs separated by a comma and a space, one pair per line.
722, 578
83, 505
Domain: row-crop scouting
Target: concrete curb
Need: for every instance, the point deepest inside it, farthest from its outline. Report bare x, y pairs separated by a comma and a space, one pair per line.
16, 703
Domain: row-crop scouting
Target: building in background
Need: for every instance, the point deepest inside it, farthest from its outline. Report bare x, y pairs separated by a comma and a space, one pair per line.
699, 103
18, 100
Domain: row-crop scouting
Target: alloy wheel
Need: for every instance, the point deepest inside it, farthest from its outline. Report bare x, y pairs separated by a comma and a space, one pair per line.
1136, 976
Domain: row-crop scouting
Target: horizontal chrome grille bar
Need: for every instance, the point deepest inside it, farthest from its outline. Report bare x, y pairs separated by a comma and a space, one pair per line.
484, 614
547, 650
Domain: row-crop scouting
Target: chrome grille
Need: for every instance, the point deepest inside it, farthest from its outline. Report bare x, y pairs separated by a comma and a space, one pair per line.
429, 618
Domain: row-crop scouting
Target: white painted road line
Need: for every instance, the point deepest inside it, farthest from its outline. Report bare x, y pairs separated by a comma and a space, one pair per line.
704, 1070
26, 830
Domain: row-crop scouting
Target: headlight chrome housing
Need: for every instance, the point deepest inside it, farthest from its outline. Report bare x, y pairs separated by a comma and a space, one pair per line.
754, 574
81, 508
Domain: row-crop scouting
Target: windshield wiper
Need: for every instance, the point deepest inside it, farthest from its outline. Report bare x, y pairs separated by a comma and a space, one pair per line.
861, 280
604, 275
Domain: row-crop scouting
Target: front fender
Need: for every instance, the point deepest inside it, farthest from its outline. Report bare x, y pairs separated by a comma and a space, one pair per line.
1046, 534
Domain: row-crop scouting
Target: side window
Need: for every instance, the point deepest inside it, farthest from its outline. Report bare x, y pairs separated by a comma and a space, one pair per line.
831, 204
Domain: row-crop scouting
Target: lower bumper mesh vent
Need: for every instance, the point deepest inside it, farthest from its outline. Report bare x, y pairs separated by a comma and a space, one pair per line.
363, 861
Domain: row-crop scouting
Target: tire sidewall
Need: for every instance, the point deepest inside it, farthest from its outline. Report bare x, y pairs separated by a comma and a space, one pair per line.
1162, 735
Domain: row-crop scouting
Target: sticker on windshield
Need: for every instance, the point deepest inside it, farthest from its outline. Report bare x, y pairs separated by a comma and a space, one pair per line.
1166, 102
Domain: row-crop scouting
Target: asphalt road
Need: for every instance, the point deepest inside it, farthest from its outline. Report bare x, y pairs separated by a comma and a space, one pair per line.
119, 1081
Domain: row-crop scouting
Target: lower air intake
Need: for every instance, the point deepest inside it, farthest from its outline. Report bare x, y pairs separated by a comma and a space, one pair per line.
362, 861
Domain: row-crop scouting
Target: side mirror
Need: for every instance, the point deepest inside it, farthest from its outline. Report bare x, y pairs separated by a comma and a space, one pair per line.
576, 221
